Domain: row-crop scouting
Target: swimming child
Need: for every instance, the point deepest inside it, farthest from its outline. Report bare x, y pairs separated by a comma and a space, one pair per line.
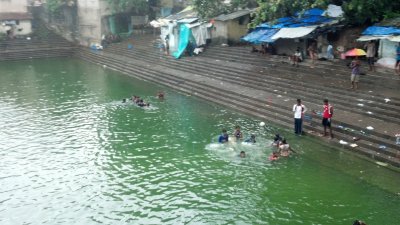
160, 95
285, 149
242, 154
223, 137
238, 134
277, 140
274, 156
252, 139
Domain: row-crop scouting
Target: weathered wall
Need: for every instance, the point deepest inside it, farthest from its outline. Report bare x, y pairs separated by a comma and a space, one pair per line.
387, 49
230, 31
220, 32
90, 14
289, 46
236, 30
13, 6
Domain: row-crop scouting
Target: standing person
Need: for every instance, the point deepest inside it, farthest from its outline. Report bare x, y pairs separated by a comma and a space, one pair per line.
326, 117
355, 73
299, 110
312, 51
167, 44
371, 55
397, 66
329, 51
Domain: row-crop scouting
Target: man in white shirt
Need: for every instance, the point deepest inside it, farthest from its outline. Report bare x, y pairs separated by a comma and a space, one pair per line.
299, 110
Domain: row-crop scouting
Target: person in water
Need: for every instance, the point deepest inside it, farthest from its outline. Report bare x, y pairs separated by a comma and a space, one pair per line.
359, 222
141, 103
277, 140
238, 134
274, 156
242, 154
252, 139
223, 138
160, 95
284, 148
124, 100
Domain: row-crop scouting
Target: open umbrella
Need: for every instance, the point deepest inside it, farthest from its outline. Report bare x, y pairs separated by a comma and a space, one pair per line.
355, 52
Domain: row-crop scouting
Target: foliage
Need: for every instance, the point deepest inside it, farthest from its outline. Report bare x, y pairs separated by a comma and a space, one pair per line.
54, 5
370, 11
356, 11
270, 10
211, 8
127, 5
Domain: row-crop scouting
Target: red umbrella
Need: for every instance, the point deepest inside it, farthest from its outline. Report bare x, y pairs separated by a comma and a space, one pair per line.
355, 52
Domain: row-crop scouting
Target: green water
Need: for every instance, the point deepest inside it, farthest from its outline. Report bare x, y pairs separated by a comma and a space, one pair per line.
72, 153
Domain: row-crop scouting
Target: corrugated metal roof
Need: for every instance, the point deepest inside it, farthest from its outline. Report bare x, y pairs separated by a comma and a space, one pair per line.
234, 15
187, 20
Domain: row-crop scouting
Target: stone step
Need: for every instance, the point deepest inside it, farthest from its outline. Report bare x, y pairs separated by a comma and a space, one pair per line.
106, 59
286, 109
248, 81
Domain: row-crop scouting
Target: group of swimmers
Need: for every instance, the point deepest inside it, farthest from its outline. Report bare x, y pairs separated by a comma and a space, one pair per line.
140, 102
283, 148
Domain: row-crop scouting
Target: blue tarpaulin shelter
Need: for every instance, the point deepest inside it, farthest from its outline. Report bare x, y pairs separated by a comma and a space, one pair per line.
378, 30
260, 35
184, 37
265, 31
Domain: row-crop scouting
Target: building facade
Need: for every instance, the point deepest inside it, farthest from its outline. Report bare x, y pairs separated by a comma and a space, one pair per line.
15, 19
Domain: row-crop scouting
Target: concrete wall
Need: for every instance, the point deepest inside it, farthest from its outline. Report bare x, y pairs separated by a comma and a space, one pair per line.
89, 22
289, 46
387, 49
220, 32
236, 30
229, 31
20, 6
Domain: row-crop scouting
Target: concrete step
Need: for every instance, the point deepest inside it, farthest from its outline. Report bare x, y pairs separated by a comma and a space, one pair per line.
213, 92
385, 111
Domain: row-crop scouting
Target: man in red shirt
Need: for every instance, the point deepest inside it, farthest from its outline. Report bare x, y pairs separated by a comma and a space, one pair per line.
326, 117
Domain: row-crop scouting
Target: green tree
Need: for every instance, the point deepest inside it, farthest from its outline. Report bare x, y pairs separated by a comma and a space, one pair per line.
142, 6
211, 8
356, 11
370, 11
270, 10
54, 5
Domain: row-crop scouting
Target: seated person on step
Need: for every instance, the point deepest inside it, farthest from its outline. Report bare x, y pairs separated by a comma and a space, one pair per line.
296, 57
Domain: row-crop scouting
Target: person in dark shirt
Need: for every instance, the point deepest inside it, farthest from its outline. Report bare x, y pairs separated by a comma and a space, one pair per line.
223, 137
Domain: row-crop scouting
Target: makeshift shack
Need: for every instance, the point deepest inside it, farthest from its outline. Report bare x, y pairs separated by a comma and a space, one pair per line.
289, 33
229, 28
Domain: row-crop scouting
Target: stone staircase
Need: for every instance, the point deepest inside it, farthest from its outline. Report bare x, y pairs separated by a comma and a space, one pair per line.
50, 46
266, 87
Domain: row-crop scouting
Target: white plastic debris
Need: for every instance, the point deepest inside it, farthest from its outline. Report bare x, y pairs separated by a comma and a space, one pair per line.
343, 142
387, 100
370, 128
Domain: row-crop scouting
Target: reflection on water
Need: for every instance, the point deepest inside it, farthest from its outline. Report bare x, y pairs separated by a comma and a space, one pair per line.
73, 153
